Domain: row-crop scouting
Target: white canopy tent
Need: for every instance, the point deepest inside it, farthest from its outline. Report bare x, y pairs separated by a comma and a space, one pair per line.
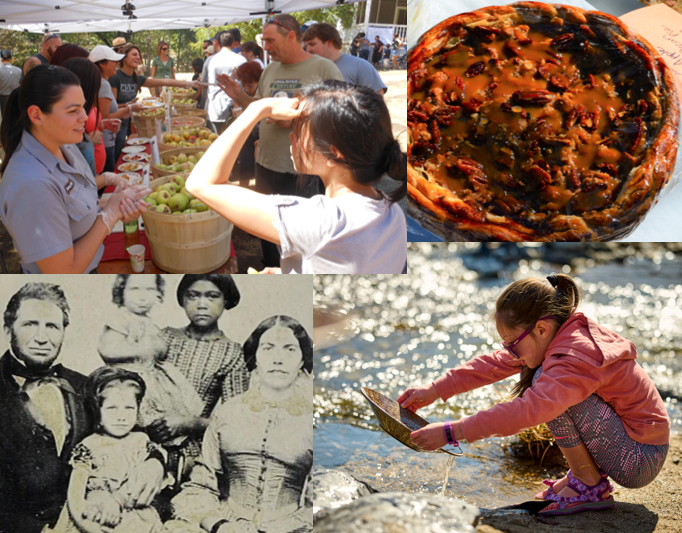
81, 16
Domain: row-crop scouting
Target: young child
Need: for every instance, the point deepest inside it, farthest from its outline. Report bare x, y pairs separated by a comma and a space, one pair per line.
579, 378
131, 340
104, 461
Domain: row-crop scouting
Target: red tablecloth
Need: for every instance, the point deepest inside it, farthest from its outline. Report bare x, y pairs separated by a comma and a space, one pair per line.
114, 247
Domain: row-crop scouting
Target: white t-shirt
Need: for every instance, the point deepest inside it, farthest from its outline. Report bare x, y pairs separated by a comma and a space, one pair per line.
348, 234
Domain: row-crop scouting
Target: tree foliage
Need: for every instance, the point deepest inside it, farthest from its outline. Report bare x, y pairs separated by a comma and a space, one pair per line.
185, 45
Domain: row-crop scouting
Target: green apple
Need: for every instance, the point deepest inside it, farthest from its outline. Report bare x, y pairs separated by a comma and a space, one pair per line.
170, 187
188, 194
212, 136
173, 159
182, 158
198, 205
159, 188
177, 213
189, 211
162, 197
192, 159
185, 167
179, 181
178, 202
161, 209
176, 168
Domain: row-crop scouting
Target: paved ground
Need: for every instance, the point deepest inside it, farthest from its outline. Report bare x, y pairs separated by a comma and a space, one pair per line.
247, 247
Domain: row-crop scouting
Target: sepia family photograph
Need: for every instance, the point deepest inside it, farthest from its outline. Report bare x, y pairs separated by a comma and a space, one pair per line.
150, 403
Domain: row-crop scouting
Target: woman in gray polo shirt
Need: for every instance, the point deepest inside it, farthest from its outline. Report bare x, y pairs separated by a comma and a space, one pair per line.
48, 195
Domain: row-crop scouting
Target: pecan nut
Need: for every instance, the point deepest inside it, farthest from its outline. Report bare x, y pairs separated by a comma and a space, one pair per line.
533, 98
475, 69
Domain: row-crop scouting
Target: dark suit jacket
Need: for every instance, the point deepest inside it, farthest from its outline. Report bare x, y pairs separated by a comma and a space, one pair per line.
33, 478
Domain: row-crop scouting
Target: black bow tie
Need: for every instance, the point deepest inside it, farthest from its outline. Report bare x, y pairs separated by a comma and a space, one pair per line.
34, 375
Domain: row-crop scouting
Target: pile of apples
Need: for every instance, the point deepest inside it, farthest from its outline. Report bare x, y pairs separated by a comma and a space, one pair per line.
189, 137
172, 198
181, 162
186, 101
181, 90
151, 112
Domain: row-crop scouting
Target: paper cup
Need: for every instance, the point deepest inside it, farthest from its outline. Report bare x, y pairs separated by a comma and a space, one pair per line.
137, 257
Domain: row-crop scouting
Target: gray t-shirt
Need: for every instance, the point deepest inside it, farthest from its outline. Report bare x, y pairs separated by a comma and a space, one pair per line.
47, 204
359, 72
10, 76
348, 234
106, 92
126, 86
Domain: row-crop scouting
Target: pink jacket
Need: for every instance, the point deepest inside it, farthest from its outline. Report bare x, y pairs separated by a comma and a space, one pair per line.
582, 359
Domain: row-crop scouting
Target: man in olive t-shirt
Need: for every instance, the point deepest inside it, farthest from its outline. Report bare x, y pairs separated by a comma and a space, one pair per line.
291, 69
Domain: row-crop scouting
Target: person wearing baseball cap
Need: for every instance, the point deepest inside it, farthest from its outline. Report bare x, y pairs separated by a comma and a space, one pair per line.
10, 76
107, 60
50, 42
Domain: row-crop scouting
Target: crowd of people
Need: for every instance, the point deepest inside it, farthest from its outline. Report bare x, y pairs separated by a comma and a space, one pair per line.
179, 430
278, 134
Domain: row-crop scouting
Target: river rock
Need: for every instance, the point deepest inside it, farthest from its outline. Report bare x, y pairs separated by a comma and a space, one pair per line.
334, 488
399, 513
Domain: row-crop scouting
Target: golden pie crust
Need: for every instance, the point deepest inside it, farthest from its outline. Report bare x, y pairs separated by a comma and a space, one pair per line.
537, 122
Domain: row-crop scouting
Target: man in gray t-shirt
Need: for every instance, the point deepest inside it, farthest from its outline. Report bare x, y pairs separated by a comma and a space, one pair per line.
10, 76
324, 40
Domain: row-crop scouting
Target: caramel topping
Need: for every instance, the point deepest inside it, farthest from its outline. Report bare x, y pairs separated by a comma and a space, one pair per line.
530, 120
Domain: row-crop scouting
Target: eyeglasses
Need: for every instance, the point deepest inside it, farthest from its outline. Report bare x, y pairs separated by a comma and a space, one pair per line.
509, 345
164, 49
273, 20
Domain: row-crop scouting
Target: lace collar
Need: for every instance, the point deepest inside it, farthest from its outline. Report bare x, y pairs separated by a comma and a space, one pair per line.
298, 403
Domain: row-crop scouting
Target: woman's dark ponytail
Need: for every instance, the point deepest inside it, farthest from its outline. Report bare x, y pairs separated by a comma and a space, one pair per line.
355, 122
43, 86
12, 127
396, 168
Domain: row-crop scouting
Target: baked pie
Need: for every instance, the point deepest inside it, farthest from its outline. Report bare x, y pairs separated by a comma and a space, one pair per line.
537, 122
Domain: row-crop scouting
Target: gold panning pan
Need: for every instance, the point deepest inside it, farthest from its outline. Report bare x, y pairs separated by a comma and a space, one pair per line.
398, 422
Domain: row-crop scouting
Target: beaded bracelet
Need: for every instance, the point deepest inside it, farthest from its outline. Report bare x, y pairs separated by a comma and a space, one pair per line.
450, 434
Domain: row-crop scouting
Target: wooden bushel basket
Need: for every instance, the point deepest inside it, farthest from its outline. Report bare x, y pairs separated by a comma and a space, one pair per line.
179, 121
146, 126
187, 244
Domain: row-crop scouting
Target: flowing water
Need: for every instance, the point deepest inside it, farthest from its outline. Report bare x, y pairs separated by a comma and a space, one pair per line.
400, 331
451, 463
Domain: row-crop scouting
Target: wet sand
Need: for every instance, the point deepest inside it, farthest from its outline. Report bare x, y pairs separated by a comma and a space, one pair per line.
654, 508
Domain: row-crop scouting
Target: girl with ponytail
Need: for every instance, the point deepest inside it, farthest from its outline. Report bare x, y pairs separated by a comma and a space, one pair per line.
578, 377
343, 134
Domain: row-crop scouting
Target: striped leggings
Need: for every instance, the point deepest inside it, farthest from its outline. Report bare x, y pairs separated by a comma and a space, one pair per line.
594, 423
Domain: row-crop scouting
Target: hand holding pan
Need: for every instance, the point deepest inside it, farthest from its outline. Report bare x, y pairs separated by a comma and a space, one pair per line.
398, 422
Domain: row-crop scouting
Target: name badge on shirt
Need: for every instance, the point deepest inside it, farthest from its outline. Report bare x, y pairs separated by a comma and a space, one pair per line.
69, 186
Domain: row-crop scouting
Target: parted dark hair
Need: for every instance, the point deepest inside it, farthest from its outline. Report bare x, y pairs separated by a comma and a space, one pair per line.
355, 121
224, 282
226, 39
47, 292
66, 52
526, 301
252, 46
325, 33
91, 79
43, 86
120, 286
304, 340
106, 377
